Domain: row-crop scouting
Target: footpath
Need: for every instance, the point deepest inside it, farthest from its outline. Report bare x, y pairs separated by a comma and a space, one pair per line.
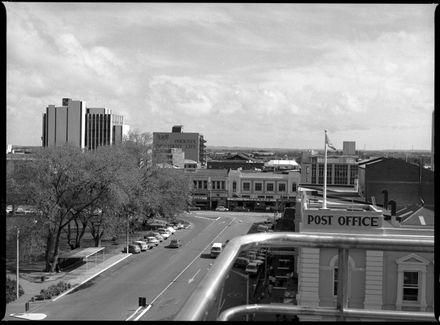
17, 309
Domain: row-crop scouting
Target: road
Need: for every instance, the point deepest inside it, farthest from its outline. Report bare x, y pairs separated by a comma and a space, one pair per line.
166, 277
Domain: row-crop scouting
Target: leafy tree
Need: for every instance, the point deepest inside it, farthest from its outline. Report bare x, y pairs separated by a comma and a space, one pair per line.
63, 182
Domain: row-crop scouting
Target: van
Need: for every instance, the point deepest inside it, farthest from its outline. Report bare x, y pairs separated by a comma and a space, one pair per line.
216, 249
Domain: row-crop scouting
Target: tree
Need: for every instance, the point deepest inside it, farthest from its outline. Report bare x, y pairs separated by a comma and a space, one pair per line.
63, 182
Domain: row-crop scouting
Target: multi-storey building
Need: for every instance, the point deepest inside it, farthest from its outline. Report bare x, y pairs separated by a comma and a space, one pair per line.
377, 279
192, 144
341, 170
349, 148
73, 123
265, 191
208, 187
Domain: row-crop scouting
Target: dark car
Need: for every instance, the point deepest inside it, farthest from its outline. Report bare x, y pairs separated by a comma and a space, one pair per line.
175, 243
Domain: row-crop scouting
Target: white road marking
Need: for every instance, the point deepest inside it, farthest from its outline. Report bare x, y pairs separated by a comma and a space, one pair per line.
135, 312
208, 218
143, 312
192, 279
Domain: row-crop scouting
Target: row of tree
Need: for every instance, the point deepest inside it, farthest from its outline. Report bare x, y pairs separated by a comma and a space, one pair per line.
99, 191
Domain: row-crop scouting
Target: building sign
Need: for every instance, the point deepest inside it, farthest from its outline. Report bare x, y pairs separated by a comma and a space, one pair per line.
336, 218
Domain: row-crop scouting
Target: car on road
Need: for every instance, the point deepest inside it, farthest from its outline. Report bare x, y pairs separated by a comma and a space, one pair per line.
132, 248
142, 245
194, 209
216, 249
262, 228
221, 208
152, 240
252, 269
175, 243
241, 262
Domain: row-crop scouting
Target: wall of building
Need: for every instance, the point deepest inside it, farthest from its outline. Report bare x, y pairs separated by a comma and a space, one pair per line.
188, 142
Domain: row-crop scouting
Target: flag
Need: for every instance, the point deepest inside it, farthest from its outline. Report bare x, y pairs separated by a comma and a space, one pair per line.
327, 142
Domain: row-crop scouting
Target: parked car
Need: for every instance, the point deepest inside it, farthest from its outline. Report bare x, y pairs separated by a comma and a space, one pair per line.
132, 248
258, 262
262, 228
164, 233
241, 262
152, 240
171, 229
142, 245
226, 242
221, 208
175, 243
252, 269
193, 208
158, 236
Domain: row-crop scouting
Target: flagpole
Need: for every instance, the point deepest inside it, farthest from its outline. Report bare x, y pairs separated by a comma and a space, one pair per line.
324, 203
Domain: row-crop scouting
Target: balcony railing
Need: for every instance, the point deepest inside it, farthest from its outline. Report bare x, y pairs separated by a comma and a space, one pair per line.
203, 303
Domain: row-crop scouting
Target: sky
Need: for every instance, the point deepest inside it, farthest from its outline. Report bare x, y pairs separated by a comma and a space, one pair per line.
242, 74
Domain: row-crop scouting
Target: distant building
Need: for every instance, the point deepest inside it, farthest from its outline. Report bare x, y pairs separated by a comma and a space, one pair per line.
281, 165
236, 161
341, 170
349, 148
432, 141
87, 128
262, 191
192, 144
404, 182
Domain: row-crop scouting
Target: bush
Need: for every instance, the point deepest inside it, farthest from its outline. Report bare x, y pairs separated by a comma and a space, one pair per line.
11, 290
54, 290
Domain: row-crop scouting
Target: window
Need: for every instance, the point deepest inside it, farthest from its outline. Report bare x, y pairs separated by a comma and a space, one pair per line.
341, 174
258, 187
335, 281
410, 286
282, 187
205, 185
246, 186
269, 187
293, 187
195, 184
411, 282
234, 186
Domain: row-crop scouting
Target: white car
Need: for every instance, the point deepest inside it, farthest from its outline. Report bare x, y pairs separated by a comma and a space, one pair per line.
142, 245
152, 240
171, 229
221, 208
164, 233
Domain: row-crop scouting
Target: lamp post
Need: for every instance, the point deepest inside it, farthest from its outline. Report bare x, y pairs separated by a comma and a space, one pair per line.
18, 262
128, 226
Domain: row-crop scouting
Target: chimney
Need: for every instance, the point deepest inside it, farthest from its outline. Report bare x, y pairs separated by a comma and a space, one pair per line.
394, 221
385, 199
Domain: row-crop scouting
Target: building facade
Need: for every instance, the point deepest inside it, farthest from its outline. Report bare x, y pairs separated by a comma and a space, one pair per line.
192, 144
75, 124
405, 183
377, 280
341, 170
262, 191
208, 187
349, 148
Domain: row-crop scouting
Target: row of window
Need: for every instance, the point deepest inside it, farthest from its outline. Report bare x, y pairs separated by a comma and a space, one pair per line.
246, 186
340, 176
258, 187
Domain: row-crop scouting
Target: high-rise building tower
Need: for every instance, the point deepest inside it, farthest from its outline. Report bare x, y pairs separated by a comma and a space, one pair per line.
83, 127
349, 148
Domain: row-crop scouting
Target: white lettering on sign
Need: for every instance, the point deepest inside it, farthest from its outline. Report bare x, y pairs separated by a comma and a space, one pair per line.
361, 221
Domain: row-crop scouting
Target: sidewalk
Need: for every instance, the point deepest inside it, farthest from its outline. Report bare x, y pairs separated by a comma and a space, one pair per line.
76, 278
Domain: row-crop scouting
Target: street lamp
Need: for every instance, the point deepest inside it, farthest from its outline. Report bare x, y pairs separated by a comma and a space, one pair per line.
18, 261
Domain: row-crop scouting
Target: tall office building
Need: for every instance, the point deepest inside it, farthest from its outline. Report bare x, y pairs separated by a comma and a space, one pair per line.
77, 125
192, 144
432, 141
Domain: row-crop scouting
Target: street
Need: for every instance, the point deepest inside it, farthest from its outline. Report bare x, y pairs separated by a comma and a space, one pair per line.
164, 276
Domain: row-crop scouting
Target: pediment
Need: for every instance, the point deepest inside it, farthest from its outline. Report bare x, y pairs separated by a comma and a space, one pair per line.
412, 259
